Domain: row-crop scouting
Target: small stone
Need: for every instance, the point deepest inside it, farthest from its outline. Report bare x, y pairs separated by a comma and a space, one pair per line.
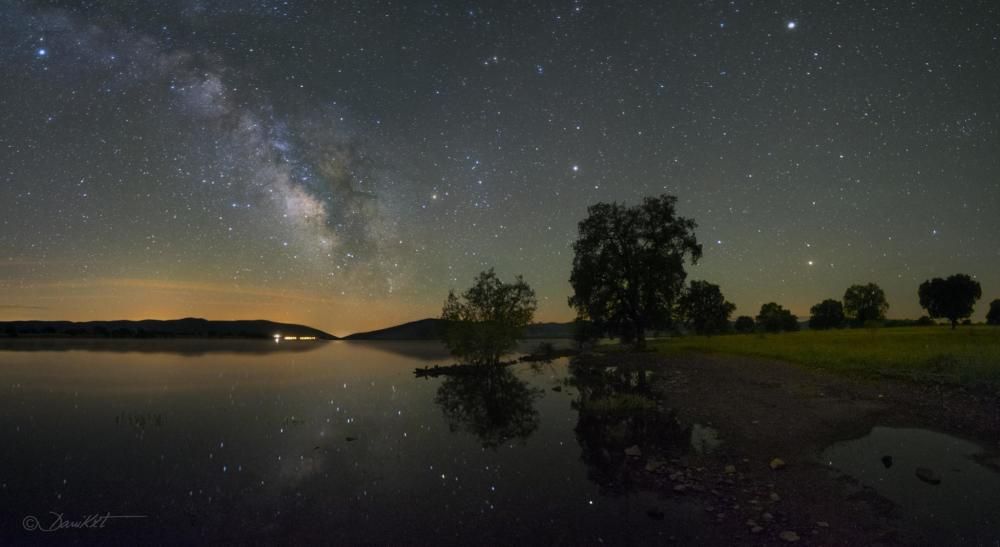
777, 463
751, 523
756, 530
789, 536
775, 496
654, 465
928, 476
633, 451
730, 469
767, 516
823, 524
680, 488
709, 509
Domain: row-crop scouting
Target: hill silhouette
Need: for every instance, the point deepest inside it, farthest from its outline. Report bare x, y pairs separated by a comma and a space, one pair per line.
189, 327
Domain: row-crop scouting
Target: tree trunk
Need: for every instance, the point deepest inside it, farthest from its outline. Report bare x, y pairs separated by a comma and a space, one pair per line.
640, 338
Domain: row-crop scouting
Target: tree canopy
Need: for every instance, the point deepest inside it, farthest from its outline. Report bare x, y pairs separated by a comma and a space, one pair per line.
993, 316
744, 324
774, 318
628, 265
864, 303
828, 314
703, 308
486, 321
953, 298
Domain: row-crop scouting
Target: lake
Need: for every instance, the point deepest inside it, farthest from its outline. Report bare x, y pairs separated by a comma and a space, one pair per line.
193, 441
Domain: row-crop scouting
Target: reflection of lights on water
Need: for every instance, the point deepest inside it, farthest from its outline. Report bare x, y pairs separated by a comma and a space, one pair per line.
279, 338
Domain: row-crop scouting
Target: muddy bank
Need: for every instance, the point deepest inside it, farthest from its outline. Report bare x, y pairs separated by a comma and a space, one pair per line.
750, 412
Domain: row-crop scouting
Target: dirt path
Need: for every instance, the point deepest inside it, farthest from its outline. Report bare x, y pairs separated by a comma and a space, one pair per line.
767, 409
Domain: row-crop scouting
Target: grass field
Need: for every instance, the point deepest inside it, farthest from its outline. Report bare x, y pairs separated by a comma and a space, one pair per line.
969, 355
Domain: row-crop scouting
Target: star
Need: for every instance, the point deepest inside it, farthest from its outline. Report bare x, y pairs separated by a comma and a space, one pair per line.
791, 25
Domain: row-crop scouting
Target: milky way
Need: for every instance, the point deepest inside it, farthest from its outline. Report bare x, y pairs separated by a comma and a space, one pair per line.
345, 163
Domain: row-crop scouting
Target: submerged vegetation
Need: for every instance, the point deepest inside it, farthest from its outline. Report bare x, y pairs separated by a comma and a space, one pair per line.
969, 356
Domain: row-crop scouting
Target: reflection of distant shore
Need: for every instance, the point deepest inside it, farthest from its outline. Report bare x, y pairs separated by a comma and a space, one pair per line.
180, 346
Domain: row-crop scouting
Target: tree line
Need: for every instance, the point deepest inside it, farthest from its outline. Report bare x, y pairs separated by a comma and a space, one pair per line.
629, 279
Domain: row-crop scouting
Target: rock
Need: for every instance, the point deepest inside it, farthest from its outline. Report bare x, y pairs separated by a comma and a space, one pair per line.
680, 488
789, 536
756, 530
654, 465
633, 451
709, 509
777, 463
751, 523
730, 469
928, 476
655, 514
767, 516
775, 496
887, 461
823, 524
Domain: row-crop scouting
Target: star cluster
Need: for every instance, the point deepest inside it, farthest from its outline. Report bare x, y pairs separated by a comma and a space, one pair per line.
344, 164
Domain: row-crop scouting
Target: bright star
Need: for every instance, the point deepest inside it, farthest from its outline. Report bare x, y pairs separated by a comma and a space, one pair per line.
576, 168
791, 25
42, 52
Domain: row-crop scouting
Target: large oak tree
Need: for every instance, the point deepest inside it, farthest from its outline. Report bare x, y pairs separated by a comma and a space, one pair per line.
628, 266
952, 298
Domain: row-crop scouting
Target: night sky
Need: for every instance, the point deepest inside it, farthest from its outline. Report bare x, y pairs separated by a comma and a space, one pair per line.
343, 164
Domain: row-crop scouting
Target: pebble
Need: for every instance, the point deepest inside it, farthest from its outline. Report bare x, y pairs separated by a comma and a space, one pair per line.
789, 536
633, 451
775, 496
730, 469
756, 530
777, 463
823, 524
680, 488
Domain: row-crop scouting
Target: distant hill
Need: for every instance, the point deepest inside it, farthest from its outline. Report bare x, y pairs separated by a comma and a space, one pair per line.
429, 329
153, 328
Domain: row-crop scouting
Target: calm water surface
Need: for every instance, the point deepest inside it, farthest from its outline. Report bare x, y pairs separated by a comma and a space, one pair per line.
243, 442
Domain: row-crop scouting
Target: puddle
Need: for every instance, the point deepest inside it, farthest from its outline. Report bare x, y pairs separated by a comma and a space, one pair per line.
704, 439
952, 499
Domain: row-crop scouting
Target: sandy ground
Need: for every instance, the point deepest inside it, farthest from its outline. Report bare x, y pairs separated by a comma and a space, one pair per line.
768, 409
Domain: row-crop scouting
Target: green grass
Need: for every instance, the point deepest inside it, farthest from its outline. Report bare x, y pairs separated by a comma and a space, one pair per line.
969, 355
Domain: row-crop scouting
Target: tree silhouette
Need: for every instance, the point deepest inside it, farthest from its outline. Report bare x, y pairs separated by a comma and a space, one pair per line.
703, 308
628, 265
864, 303
774, 318
828, 314
744, 324
952, 298
993, 316
486, 322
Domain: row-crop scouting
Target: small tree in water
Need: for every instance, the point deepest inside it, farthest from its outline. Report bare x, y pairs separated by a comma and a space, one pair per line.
485, 323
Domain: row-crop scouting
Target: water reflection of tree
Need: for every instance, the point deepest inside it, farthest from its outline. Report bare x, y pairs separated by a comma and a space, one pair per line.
494, 405
619, 408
